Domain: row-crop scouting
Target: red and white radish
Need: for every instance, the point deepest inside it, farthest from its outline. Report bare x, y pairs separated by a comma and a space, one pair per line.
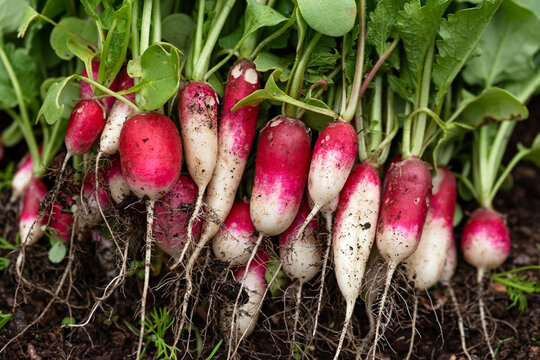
86, 92
115, 180
254, 282
172, 214
61, 219
333, 158
30, 222
406, 195
151, 159
22, 178
84, 127
236, 238
425, 265
197, 108
95, 199
485, 244
354, 234
235, 138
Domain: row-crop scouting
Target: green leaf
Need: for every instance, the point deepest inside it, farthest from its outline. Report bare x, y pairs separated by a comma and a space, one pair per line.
330, 17
11, 15
159, 73
80, 50
534, 151
266, 62
508, 46
6, 245
417, 25
4, 264
68, 321
53, 106
28, 16
382, 24
58, 251
280, 282
533, 5
178, 30
104, 16
259, 15
25, 68
460, 34
4, 318
59, 39
317, 121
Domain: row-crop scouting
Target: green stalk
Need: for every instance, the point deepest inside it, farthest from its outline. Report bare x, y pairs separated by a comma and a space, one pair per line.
50, 150
420, 125
362, 147
348, 114
24, 124
197, 42
110, 92
203, 60
389, 125
145, 25
515, 160
298, 77
249, 45
134, 30
498, 147
484, 172
376, 116
275, 35
156, 22
377, 65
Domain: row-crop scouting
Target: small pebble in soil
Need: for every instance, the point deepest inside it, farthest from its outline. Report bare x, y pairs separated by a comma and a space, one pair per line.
32, 353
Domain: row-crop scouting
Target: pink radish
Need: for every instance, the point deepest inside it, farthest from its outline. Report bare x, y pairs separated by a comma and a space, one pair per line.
84, 127
235, 138
254, 282
485, 244
86, 92
235, 240
108, 143
172, 214
197, 108
332, 161
22, 177
117, 184
61, 220
300, 255
95, 199
30, 222
151, 159
404, 208
354, 234
425, 265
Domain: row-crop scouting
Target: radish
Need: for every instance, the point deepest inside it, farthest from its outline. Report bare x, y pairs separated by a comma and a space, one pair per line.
30, 222
301, 256
151, 159
86, 92
197, 107
254, 282
117, 184
235, 240
403, 212
95, 199
172, 214
61, 220
354, 234
22, 177
84, 127
485, 244
236, 134
447, 273
108, 143
332, 161
425, 265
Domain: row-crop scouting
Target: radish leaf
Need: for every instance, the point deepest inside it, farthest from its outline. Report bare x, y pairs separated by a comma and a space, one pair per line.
59, 38
12, 13
330, 17
178, 30
382, 24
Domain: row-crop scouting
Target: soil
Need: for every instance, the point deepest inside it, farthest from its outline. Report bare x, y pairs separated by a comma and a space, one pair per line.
515, 335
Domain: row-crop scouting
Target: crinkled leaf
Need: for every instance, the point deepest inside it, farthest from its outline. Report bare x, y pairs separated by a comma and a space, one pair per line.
417, 25
382, 24
266, 61
27, 74
116, 44
29, 15
330, 17
84, 28
460, 34
104, 17
159, 73
58, 251
11, 14
80, 50
178, 30
508, 45
259, 15
53, 104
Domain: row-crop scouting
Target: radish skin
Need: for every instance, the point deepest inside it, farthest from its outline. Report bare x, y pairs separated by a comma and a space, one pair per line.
354, 234
94, 199
172, 214
117, 184
22, 178
254, 283
235, 240
235, 138
406, 194
30, 222
84, 126
61, 221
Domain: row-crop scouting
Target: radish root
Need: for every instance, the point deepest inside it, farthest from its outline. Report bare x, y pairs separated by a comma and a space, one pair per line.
389, 274
413, 327
480, 276
328, 219
348, 316
296, 316
460, 319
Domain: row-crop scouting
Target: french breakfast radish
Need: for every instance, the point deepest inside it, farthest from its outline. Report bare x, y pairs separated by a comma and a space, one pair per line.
425, 265
172, 214
404, 206
333, 158
235, 240
151, 159
95, 199
61, 219
115, 180
354, 234
84, 126
22, 177
30, 222
485, 244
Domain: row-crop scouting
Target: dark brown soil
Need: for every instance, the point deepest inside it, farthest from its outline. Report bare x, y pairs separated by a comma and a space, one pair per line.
108, 336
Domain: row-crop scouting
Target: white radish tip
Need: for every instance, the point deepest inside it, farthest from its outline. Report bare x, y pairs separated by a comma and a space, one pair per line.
251, 76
